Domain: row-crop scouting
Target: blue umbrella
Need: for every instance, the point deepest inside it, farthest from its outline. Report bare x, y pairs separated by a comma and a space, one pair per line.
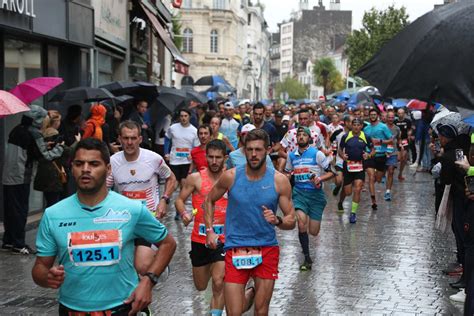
342, 96
399, 103
469, 120
357, 98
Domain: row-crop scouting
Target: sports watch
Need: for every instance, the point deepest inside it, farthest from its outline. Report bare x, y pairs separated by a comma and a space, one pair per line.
153, 277
166, 198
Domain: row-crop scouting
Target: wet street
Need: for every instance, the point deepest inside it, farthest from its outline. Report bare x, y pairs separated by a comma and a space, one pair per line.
390, 262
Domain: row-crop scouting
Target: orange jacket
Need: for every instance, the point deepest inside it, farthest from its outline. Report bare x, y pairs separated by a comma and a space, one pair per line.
93, 126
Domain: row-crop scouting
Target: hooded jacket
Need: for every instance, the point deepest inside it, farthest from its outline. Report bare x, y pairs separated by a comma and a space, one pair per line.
93, 126
25, 145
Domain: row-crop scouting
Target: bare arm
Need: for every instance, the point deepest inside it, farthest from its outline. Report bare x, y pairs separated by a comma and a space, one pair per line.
186, 191
45, 275
283, 188
218, 190
142, 296
227, 143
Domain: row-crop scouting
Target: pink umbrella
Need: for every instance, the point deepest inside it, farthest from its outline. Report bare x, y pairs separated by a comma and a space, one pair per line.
32, 89
10, 104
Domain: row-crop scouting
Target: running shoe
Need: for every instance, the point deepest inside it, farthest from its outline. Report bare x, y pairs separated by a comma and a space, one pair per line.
353, 218
6, 247
336, 190
306, 266
374, 206
387, 196
459, 296
27, 250
340, 208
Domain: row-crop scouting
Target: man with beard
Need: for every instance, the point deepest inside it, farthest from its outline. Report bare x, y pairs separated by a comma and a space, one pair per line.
207, 263
381, 136
135, 173
353, 148
308, 164
254, 194
91, 234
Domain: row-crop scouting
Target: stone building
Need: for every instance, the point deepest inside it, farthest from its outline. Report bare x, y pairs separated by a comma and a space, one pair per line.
312, 34
227, 38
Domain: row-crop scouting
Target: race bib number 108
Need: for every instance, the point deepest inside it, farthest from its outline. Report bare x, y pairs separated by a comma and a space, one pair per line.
95, 248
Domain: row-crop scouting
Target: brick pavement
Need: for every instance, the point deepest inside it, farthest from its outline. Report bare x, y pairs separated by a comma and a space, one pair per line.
388, 263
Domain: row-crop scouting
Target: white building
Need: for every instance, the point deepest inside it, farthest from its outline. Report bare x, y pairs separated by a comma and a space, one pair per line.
286, 49
227, 38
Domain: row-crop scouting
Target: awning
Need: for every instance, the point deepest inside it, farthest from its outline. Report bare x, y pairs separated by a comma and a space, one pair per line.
181, 65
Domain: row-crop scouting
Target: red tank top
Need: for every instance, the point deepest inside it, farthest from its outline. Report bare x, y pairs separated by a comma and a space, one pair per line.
199, 229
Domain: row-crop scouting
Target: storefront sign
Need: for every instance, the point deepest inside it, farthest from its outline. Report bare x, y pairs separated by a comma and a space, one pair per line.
25, 7
111, 20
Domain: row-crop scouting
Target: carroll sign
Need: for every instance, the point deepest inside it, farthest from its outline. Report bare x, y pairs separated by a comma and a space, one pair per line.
25, 7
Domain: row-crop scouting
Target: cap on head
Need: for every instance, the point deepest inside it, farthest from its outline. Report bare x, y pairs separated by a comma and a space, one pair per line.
304, 130
228, 105
247, 128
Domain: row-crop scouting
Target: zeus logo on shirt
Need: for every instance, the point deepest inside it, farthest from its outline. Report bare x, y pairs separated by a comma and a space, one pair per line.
66, 224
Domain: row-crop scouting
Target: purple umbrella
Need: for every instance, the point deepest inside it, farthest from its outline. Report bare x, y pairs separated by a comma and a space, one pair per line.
32, 89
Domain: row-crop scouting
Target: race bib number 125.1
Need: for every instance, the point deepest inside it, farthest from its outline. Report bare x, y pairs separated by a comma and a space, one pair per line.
95, 247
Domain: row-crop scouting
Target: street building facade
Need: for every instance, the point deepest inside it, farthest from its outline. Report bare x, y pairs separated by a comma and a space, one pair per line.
228, 38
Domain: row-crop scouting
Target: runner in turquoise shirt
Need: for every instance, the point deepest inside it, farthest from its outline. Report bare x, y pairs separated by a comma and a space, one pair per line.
91, 235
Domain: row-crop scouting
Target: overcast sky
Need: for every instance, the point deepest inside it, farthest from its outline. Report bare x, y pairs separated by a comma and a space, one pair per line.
278, 10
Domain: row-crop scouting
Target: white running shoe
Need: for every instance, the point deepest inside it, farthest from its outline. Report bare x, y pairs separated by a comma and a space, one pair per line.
459, 296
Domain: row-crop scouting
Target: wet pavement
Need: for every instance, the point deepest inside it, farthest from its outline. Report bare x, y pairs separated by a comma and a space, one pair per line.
390, 262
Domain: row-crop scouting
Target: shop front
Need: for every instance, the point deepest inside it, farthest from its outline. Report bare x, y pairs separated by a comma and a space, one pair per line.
43, 38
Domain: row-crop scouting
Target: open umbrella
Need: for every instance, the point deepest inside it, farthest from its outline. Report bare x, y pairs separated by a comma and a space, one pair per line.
85, 94
120, 100
427, 60
195, 96
168, 101
210, 81
138, 89
10, 104
359, 97
416, 105
32, 89
445, 116
399, 103
221, 87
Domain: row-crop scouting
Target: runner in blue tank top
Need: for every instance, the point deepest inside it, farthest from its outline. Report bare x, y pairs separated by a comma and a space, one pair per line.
308, 165
92, 236
254, 194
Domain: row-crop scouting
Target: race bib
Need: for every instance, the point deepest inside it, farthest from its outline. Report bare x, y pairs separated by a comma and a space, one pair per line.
302, 174
378, 146
390, 149
218, 229
182, 152
95, 247
135, 195
246, 257
354, 166
404, 142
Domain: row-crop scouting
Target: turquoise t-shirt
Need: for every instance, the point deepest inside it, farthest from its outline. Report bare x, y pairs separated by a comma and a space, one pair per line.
96, 247
381, 132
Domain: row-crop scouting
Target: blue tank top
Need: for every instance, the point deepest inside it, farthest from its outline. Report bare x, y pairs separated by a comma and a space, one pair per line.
245, 224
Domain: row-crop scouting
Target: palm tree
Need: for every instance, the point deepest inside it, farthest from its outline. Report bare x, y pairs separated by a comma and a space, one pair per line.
327, 76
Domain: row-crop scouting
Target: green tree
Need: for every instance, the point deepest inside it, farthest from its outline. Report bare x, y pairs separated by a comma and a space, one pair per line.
293, 87
378, 28
327, 76
178, 39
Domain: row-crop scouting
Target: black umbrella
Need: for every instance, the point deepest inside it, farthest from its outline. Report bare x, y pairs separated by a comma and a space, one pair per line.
85, 94
195, 96
138, 90
210, 81
168, 101
429, 59
120, 100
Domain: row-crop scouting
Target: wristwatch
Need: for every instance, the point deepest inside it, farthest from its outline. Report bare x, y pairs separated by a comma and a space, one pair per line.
280, 221
153, 277
166, 198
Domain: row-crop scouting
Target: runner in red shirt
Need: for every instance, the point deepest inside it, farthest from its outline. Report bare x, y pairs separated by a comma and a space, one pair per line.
198, 153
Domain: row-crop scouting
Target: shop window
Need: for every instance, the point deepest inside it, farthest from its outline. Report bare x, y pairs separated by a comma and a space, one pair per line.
188, 40
214, 41
105, 68
219, 4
